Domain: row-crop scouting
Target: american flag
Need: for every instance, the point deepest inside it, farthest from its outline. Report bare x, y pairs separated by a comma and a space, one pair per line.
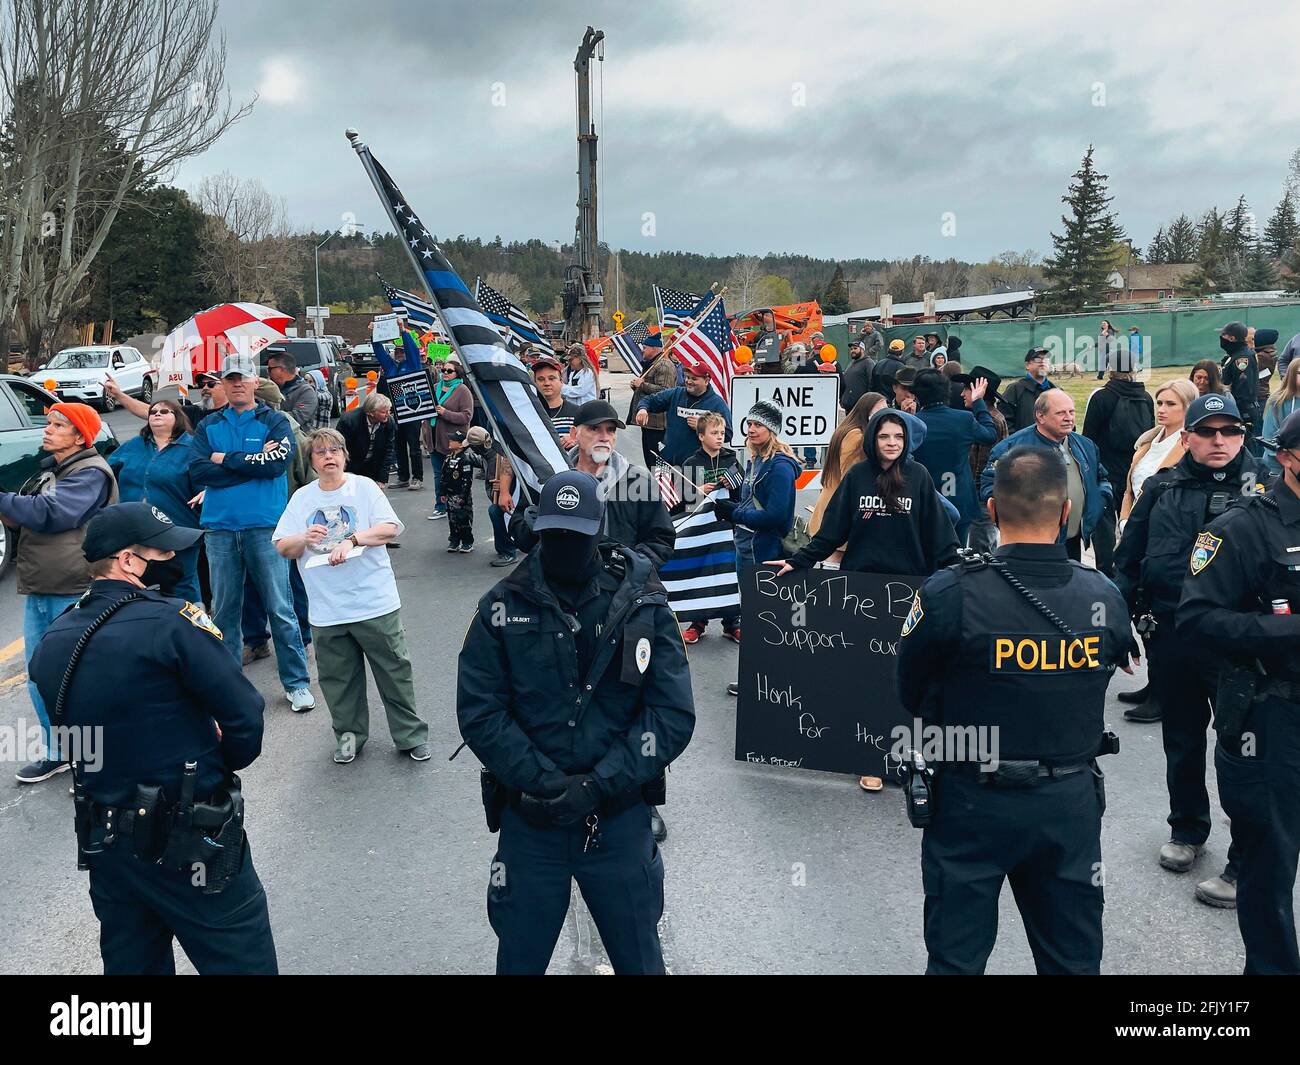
520, 327
707, 343
418, 311
628, 344
663, 475
731, 479
674, 305
499, 379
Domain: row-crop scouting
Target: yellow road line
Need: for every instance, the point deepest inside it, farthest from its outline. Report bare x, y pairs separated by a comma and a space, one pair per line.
12, 682
7, 652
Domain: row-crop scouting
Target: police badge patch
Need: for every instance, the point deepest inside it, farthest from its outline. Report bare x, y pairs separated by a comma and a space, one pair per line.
1203, 551
642, 654
197, 617
914, 615
1242, 364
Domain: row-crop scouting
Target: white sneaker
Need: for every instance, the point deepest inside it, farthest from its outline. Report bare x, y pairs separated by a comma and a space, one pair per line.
300, 700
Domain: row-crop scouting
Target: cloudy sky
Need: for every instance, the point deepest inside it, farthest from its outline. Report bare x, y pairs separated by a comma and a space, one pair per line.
833, 128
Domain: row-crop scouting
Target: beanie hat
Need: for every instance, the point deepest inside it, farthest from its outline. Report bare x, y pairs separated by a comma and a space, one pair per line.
269, 393
83, 418
768, 414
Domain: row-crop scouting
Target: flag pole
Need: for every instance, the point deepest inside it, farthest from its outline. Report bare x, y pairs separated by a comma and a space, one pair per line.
678, 333
363, 153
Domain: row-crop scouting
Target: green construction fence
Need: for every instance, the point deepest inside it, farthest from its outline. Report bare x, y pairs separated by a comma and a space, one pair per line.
1169, 337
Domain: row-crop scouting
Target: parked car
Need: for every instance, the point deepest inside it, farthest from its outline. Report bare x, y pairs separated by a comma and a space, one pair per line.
315, 356
78, 374
23, 405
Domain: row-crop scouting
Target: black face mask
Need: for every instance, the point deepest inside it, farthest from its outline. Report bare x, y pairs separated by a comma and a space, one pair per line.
1230, 344
569, 559
165, 573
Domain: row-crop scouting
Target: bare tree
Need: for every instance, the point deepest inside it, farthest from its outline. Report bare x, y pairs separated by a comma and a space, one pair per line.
248, 251
742, 282
511, 287
99, 98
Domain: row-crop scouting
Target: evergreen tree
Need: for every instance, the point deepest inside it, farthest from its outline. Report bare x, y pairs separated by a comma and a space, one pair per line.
1158, 250
1239, 230
1181, 240
836, 298
1283, 230
1076, 272
1260, 274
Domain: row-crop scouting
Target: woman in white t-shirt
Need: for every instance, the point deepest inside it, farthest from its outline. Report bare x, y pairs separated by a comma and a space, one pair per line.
1159, 448
337, 529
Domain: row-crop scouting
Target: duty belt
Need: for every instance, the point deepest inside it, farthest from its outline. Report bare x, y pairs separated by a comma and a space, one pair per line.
616, 804
1010, 772
120, 820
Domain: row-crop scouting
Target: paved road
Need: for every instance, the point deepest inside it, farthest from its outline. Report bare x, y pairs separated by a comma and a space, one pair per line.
381, 866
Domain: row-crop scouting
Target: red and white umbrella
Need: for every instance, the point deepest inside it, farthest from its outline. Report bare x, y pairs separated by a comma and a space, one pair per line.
199, 344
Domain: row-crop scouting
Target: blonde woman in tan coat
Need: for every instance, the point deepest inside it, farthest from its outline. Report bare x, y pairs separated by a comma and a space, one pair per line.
1161, 447
844, 451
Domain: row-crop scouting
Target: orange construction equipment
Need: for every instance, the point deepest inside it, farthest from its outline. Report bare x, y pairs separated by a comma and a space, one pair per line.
802, 320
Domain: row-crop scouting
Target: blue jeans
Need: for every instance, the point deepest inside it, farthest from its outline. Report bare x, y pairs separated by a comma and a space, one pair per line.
435, 461
187, 587
231, 555
257, 627
39, 613
500, 535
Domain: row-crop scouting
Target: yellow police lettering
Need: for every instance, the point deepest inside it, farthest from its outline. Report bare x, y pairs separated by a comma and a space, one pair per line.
1004, 649
1038, 654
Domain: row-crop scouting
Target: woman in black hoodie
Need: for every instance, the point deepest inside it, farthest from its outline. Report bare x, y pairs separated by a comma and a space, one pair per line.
885, 511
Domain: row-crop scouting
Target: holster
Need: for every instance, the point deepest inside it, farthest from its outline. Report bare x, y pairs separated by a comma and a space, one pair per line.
1233, 699
207, 839
918, 792
495, 798
149, 827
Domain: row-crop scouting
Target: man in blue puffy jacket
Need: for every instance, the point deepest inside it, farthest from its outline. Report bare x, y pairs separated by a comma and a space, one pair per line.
241, 454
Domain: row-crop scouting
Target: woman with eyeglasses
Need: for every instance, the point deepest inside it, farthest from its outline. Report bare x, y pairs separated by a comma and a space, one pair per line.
154, 468
1284, 402
338, 528
455, 411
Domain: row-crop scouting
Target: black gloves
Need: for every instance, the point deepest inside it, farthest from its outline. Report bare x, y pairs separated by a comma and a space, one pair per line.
724, 508
580, 797
521, 528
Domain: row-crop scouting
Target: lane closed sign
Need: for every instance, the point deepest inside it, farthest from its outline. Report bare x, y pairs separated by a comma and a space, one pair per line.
809, 403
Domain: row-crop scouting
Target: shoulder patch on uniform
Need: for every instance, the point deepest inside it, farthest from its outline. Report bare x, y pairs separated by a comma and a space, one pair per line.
914, 615
1242, 364
642, 654
1204, 550
196, 616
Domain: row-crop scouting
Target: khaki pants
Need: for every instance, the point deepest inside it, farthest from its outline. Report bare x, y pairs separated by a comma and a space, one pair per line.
341, 654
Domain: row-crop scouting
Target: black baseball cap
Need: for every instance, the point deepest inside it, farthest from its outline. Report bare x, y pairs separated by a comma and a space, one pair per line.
570, 500
595, 411
1034, 353
124, 525
1236, 330
1287, 437
1210, 405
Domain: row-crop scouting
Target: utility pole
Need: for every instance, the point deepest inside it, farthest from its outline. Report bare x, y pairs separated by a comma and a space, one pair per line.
583, 294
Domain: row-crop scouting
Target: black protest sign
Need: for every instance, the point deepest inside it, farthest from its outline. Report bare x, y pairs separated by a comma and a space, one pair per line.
817, 669
412, 397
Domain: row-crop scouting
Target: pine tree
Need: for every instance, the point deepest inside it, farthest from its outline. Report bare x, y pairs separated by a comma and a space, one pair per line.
1076, 272
1260, 274
1181, 240
1283, 230
1239, 230
1158, 249
836, 298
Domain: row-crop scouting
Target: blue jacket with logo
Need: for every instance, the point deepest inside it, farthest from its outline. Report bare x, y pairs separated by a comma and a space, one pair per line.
250, 488
160, 478
1096, 482
680, 440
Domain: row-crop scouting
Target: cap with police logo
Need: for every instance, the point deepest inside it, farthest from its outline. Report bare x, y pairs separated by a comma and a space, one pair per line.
570, 500
1209, 406
125, 525
1287, 437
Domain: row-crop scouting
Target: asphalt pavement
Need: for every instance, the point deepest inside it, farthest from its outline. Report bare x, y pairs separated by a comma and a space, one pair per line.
382, 865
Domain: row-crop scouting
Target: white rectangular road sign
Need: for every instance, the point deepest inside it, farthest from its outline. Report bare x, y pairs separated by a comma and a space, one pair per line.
810, 402
318, 312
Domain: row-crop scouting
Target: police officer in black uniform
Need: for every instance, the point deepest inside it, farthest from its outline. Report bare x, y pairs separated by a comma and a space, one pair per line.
1174, 506
575, 694
165, 716
1242, 595
1241, 374
1022, 644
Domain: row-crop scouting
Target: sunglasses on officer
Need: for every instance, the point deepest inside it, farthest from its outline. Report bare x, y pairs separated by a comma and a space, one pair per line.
1208, 432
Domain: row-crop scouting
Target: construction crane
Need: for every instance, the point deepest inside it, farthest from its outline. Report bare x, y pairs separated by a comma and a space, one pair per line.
583, 295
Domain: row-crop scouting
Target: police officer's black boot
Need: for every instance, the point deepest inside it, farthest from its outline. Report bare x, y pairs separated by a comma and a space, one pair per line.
1148, 711
1137, 695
